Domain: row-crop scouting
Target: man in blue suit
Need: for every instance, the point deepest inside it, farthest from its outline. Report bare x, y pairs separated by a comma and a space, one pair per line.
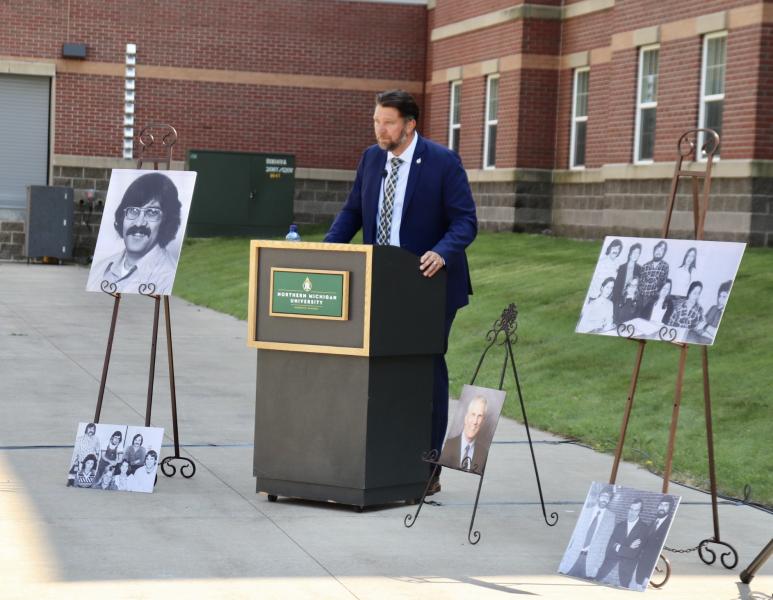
413, 193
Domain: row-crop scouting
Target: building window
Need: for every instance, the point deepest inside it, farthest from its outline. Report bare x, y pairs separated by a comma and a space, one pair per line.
579, 118
712, 84
490, 132
646, 105
454, 125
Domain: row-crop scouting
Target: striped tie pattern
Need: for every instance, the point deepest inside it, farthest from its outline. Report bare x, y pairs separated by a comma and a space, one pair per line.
385, 220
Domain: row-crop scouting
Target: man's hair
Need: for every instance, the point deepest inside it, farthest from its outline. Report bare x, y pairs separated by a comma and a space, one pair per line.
725, 287
670, 502
146, 188
151, 453
632, 248
694, 285
400, 100
614, 243
661, 243
638, 501
477, 399
117, 434
90, 426
139, 435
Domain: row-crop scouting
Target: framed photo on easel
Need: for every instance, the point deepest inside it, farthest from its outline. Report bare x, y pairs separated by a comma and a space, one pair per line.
660, 289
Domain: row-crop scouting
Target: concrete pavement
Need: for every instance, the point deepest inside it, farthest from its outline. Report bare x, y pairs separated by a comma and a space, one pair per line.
212, 536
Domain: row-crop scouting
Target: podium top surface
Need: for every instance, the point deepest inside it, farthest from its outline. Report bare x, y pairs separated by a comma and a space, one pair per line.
351, 299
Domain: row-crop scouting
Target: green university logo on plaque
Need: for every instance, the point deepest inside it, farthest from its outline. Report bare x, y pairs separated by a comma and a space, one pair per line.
309, 294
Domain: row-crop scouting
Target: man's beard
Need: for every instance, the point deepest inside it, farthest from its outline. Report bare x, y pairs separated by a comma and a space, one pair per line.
392, 146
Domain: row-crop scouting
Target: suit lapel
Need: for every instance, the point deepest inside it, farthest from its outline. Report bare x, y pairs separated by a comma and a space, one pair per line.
370, 210
414, 174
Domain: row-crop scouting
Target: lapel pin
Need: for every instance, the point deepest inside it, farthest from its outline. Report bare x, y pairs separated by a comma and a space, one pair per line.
418, 161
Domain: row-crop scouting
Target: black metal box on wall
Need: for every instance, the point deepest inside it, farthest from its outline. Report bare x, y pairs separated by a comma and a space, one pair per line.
49, 222
241, 194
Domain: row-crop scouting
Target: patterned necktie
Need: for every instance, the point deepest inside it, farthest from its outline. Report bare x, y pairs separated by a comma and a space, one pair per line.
385, 220
466, 459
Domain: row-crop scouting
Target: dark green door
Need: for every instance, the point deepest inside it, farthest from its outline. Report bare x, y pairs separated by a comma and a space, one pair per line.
241, 194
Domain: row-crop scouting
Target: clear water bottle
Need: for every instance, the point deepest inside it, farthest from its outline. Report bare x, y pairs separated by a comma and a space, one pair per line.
293, 235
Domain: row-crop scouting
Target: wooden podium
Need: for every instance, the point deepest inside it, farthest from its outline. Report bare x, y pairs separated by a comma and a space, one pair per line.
346, 336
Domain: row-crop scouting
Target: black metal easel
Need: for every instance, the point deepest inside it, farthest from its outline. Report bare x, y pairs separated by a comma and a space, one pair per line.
505, 326
188, 470
688, 148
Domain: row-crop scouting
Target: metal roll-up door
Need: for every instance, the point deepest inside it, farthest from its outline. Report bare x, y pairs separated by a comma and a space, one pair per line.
24, 126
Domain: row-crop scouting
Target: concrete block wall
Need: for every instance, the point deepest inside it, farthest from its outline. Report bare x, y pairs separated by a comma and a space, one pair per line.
739, 209
11, 240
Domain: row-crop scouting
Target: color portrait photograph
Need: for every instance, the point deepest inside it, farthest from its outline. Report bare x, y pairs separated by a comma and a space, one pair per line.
472, 428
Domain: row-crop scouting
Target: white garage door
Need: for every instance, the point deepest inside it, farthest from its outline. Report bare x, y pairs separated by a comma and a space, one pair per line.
24, 126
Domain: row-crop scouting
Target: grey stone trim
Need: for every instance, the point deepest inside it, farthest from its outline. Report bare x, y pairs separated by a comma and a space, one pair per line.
497, 17
105, 162
27, 67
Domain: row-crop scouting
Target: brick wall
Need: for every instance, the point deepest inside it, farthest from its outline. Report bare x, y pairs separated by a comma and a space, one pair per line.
360, 47
325, 123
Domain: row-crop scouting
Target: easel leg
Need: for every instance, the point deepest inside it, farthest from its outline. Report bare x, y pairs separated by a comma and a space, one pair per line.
710, 440
474, 536
152, 374
748, 573
553, 515
411, 519
170, 358
703, 546
167, 468
627, 413
674, 419
108, 352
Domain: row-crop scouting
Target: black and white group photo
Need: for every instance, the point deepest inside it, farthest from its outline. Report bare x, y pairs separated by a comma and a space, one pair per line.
142, 230
470, 433
650, 288
120, 458
619, 536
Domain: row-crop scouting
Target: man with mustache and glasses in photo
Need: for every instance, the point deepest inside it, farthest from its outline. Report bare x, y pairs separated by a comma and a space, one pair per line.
413, 193
147, 219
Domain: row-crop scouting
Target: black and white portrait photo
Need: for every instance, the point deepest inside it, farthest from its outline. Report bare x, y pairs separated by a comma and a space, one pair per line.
115, 457
619, 536
142, 231
651, 288
470, 432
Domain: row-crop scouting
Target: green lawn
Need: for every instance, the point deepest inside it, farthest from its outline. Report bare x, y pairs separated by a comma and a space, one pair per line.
576, 385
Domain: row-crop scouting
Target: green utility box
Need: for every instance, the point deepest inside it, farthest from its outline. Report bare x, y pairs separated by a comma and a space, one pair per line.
241, 194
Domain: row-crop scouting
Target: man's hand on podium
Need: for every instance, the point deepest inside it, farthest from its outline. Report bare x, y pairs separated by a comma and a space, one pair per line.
430, 263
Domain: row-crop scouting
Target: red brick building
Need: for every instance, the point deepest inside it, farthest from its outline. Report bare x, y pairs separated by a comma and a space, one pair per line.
566, 113
570, 111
